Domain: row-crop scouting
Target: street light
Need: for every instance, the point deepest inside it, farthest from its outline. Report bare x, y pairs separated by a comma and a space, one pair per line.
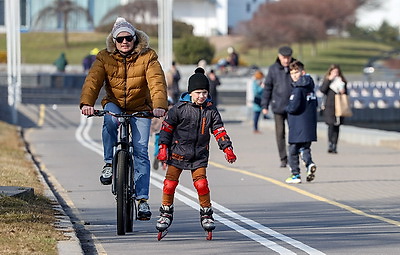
13, 25
165, 33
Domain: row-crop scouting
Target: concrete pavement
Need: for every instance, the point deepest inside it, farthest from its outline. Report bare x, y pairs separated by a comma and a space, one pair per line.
364, 173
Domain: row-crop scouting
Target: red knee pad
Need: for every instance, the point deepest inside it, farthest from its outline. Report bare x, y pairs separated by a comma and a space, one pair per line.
202, 187
169, 187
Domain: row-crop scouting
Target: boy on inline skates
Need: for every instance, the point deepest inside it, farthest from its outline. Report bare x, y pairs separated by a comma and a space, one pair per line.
184, 144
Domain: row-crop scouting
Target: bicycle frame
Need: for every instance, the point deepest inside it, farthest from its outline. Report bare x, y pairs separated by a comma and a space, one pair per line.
123, 185
124, 143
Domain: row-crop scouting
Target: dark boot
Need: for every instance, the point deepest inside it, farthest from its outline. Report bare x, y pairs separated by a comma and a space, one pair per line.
334, 148
330, 147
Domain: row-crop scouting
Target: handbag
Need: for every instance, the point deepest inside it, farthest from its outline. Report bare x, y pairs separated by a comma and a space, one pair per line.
257, 100
342, 106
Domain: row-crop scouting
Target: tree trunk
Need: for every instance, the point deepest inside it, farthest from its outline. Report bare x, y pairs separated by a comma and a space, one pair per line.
66, 30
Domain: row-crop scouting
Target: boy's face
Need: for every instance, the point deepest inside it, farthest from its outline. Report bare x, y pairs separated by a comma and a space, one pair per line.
296, 74
199, 96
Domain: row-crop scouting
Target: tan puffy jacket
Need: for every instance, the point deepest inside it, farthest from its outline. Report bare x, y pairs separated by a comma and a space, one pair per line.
134, 83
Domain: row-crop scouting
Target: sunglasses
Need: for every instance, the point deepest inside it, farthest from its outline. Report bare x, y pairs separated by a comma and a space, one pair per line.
128, 38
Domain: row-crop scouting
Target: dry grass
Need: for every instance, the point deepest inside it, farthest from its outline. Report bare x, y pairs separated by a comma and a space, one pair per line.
26, 225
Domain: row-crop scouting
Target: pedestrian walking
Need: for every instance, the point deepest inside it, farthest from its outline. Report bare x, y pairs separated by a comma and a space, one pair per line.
334, 83
302, 120
258, 88
277, 89
88, 60
61, 62
173, 78
214, 83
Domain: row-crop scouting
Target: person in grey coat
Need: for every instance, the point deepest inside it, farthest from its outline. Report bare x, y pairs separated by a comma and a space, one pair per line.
302, 119
276, 93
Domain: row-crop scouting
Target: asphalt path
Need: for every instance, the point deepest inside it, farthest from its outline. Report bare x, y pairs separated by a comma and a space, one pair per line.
350, 208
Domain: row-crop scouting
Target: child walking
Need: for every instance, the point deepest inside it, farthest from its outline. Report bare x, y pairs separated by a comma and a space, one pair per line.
302, 119
184, 144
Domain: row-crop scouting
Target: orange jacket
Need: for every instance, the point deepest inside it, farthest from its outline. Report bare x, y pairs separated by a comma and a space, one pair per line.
134, 83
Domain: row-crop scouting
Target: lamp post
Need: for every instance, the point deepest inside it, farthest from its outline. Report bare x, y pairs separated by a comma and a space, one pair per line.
13, 25
165, 33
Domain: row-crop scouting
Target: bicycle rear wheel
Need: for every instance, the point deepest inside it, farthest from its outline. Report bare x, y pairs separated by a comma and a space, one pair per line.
122, 191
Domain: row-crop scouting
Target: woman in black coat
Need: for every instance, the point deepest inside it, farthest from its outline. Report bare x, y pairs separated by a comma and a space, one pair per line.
333, 83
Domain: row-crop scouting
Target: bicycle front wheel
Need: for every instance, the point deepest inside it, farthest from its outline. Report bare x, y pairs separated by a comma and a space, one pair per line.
122, 191
131, 204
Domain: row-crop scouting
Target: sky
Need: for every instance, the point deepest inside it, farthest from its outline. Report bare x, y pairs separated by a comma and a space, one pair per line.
389, 11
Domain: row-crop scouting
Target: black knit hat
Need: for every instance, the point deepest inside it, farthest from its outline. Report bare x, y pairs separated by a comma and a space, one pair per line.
198, 81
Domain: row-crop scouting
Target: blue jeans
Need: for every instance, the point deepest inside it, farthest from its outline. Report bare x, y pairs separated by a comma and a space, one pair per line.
140, 131
256, 117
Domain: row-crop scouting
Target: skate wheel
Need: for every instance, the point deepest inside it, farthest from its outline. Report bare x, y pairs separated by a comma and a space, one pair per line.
209, 235
161, 235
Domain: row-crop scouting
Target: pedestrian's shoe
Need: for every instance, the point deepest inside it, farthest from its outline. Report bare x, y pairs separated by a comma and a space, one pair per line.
311, 172
156, 163
332, 148
294, 178
143, 210
283, 163
106, 174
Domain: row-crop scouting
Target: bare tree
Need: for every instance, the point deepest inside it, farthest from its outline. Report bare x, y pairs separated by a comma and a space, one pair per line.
139, 11
62, 9
290, 21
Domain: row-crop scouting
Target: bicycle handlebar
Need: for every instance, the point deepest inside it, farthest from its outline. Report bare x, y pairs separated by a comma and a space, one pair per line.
142, 114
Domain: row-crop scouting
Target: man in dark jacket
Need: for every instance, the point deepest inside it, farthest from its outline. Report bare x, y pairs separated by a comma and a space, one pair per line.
302, 119
277, 90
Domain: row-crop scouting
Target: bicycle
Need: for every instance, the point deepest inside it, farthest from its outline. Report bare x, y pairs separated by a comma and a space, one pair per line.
123, 186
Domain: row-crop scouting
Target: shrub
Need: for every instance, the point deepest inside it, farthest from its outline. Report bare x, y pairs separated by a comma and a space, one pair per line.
181, 29
191, 49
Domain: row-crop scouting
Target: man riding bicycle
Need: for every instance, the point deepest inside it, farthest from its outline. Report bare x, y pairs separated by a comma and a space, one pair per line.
133, 81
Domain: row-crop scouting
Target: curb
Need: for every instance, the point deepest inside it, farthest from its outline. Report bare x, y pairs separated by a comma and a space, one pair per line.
63, 221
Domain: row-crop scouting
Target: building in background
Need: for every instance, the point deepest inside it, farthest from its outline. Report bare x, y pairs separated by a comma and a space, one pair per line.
208, 17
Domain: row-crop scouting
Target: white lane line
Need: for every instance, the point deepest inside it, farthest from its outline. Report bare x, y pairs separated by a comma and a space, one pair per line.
83, 137
263, 241
247, 221
86, 141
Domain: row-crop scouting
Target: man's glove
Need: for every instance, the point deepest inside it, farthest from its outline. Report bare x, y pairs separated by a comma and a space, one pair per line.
229, 155
162, 153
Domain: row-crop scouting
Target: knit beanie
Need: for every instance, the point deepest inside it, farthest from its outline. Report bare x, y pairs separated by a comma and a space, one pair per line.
121, 25
198, 81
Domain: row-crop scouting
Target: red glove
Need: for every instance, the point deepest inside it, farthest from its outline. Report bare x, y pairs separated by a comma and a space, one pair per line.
162, 153
229, 155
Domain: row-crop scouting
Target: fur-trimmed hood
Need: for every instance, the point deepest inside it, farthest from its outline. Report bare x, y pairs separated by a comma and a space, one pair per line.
141, 44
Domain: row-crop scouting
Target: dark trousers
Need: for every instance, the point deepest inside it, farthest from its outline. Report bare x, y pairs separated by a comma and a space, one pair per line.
333, 134
280, 135
256, 118
299, 149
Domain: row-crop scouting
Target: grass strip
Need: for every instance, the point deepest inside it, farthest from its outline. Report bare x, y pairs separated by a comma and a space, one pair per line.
26, 224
